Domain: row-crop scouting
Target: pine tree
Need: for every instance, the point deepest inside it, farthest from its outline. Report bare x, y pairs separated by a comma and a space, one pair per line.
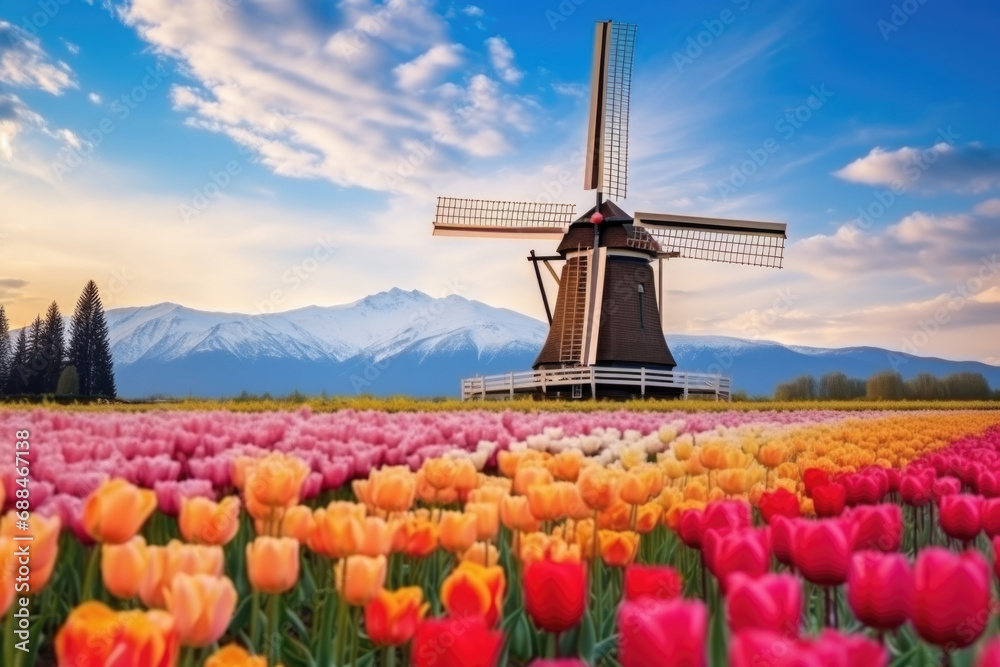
53, 348
6, 351
89, 350
35, 359
17, 381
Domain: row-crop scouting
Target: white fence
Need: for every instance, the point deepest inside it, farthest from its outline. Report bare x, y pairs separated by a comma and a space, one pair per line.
541, 381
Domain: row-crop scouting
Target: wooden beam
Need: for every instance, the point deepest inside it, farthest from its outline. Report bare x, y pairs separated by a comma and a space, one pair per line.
541, 288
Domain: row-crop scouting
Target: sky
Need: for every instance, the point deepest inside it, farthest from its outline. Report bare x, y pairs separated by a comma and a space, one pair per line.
265, 155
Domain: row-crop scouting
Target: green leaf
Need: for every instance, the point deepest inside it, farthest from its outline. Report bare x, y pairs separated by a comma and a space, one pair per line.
588, 638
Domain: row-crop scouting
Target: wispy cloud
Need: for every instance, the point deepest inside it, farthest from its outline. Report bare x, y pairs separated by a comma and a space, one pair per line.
944, 167
23, 63
502, 57
428, 66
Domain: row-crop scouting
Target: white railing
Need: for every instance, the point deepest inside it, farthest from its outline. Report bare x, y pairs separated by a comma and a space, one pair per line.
509, 384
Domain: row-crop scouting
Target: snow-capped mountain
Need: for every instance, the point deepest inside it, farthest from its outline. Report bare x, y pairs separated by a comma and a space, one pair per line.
400, 342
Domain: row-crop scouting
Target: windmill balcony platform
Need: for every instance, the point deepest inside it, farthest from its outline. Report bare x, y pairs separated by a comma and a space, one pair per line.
600, 382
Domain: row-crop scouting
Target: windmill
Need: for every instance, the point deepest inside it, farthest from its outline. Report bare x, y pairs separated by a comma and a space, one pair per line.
605, 329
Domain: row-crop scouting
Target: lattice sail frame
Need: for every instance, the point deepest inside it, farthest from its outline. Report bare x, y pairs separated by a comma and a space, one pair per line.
611, 88
745, 242
485, 217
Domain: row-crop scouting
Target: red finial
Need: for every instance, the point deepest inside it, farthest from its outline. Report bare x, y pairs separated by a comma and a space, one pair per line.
597, 218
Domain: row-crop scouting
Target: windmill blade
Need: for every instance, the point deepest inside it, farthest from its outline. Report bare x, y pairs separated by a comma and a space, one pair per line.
717, 239
501, 219
606, 168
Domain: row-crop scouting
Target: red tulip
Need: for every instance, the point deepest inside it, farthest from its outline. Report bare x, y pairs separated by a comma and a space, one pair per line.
763, 648
746, 550
656, 582
834, 648
725, 515
689, 528
990, 655
458, 642
864, 488
915, 489
996, 556
782, 529
880, 527
814, 477
780, 502
821, 550
988, 483
879, 587
770, 602
951, 597
555, 594
959, 516
892, 477
649, 631
945, 486
989, 516
829, 499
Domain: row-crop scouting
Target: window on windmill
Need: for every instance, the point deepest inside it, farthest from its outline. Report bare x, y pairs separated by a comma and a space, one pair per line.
642, 324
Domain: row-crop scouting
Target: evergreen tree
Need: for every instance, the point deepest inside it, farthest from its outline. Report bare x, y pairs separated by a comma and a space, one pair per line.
17, 381
35, 359
89, 350
6, 352
53, 348
69, 382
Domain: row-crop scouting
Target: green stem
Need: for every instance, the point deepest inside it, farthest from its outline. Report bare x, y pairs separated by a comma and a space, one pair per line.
254, 621
187, 659
356, 635
87, 593
273, 636
390, 656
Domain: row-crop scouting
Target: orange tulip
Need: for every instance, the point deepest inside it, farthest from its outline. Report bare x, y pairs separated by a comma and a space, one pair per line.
492, 493
392, 617
239, 470
93, 634
509, 462
420, 537
529, 476
202, 606
647, 518
377, 537
44, 532
641, 484
482, 553
598, 487
713, 456
772, 455
362, 491
572, 501
8, 570
450, 473
541, 547
297, 522
546, 500
273, 564
337, 533
165, 563
487, 519
458, 531
393, 488
515, 513
233, 655
123, 567
474, 590
359, 578
733, 481
276, 480
618, 549
203, 521
565, 466
116, 510
616, 517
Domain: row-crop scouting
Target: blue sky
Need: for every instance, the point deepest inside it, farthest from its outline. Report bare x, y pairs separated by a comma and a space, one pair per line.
256, 155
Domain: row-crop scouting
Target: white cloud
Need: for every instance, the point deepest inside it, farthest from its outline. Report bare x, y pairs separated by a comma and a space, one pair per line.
502, 58
71, 47
570, 89
472, 10
94, 98
303, 95
25, 64
989, 208
943, 167
429, 65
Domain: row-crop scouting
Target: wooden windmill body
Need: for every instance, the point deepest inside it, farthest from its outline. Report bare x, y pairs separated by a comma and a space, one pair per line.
605, 331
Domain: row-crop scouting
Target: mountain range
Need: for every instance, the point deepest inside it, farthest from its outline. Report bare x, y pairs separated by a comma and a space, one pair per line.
400, 342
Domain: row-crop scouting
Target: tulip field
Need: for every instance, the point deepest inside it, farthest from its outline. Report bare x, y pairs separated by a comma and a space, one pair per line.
475, 538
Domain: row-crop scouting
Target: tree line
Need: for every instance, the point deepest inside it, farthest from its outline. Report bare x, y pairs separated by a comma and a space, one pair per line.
39, 361
887, 385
